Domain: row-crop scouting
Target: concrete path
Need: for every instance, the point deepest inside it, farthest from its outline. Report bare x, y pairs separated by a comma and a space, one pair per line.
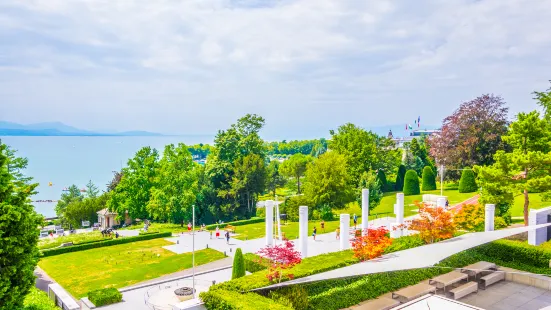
42, 279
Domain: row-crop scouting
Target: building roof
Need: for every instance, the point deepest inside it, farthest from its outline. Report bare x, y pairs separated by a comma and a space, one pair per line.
106, 212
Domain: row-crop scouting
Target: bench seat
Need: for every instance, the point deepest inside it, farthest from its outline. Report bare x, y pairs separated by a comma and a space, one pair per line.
492, 278
380, 303
464, 290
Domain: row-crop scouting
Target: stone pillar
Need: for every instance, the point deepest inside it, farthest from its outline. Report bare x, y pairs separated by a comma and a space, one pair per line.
441, 202
399, 208
269, 205
537, 217
365, 210
345, 231
303, 230
489, 217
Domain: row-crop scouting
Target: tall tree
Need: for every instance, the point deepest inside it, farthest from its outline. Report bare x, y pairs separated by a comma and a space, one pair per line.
85, 210
544, 100
472, 134
91, 190
117, 176
249, 180
72, 195
18, 231
363, 150
400, 175
369, 181
328, 182
274, 179
133, 192
175, 189
295, 167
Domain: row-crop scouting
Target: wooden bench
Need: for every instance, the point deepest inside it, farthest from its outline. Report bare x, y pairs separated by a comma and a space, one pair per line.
415, 291
66, 244
464, 290
380, 303
230, 228
492, 278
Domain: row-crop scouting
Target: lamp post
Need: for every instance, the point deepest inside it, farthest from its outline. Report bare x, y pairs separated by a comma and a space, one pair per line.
193, 248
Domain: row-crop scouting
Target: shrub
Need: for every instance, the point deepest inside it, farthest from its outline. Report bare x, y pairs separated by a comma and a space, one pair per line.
429, 179
470, 218
499, 223
103, 243
294, 297
467, 183
411, 183
381, 178
292, 205
404, 243
238, 270
105, 296
38, 300
254, 262
399, 186
218, 299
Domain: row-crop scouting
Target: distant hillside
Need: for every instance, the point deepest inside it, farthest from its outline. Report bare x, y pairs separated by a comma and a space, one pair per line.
59, 129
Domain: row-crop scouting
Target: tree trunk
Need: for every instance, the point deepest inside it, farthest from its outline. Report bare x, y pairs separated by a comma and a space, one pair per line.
526, 204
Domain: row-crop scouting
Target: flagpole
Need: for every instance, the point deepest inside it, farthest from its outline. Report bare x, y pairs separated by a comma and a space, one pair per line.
193, 249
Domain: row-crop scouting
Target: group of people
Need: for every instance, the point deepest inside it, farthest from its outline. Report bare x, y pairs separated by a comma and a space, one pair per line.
217, 231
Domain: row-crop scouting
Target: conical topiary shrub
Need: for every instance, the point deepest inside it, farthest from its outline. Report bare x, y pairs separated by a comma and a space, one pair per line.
467, 183
429, 179
238, 265
399, 186
381, 178
411, 183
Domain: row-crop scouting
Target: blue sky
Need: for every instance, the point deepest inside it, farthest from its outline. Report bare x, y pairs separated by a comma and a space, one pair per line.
307, 66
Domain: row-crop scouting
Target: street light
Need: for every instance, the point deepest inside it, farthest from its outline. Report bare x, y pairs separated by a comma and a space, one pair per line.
193, 248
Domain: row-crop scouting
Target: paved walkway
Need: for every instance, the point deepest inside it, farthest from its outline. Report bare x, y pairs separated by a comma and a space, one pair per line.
42, 279
470, 201
506, 295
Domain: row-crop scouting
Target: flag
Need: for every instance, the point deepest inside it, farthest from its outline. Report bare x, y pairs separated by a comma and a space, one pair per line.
410, 128
418, 124
418, 119
406, 126
415, 121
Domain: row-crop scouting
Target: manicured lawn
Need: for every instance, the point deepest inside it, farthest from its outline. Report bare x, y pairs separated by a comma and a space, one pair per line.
258, 230
119, 266
535, 203
47, 243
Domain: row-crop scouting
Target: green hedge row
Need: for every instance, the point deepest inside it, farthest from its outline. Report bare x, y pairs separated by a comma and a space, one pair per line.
252, 220
254, 263
219, 299
105, 296
103, 243
516, 252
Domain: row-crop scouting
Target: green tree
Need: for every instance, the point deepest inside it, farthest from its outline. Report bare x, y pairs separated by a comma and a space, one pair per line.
274, 179
364, 150
85, 210
249, 180
429, 179
400, 178
73, 194
133, 192
381, 178
467, 183
18, 231
369, 181
175, 186
328, 183
411, 183
238, 270
91, 190
544, 100
295, 167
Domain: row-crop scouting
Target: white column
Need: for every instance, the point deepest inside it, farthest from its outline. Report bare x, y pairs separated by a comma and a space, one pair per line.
365, 210
441, 202
345, 231
269, 205
536, 217
489, 217
400, 208
303, 230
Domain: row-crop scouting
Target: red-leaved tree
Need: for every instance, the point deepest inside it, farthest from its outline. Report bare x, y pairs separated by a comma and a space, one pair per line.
372, 244
282, 257
434, 224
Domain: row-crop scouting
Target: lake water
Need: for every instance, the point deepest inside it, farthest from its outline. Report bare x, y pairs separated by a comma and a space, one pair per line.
76, 160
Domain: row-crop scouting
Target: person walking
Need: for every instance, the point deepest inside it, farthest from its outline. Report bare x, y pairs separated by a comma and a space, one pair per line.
338, 233
355, 220
323, 225
314, 233
217, 232
189, 226
227, 237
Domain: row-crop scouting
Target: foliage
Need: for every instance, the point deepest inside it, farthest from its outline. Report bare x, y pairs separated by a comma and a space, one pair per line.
72, 195
294, 296
381, 179
411, 183
295, 167
399, 186
372, 244
467, 183
305, 147
363, 150
404, 243
369, 181
105, 296
460, 144
103, 243
175, 186
238, 269
85, 210
429, 179
282, 257
219, 299
274, 178
291, 207
470, 217
38, 300
117, 176
416, 156
48, 243
328, 182
18, 230
199, 151
248, 180
544, 100
433, 224
254, 262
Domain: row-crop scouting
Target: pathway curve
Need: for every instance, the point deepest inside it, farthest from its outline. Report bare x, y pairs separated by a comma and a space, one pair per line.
470, 201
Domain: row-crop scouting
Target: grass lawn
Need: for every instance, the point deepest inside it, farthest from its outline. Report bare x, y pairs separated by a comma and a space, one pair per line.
47, 243
119, 266
535, 203
258, 230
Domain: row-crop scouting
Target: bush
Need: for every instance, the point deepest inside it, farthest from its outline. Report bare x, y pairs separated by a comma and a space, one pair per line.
381, 178
238, 269
38, 300
254, 262
218, 299
411, 183
326, 213
467, 183
292, 205
294, 297
429, 179
404, 243
399, 185
499, 223
103, 243
105, 296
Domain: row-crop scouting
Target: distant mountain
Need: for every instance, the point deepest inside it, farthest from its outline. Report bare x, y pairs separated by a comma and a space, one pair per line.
59, 129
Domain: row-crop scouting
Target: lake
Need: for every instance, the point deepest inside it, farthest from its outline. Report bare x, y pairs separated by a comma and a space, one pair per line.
76, 160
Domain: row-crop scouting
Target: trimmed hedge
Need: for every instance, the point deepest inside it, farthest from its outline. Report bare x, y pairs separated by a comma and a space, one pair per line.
38, 300
252, 220
254, 263
105, 296
238, 269
467, 183
429, 179
411, 183
381, 178
399, 185
103, 243
218, 299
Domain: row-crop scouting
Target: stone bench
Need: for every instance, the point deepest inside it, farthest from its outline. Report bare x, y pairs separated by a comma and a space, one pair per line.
492, 278
66, 244
380, 303
464, 290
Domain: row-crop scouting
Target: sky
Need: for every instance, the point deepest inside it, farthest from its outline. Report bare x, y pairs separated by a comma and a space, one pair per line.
306, 66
